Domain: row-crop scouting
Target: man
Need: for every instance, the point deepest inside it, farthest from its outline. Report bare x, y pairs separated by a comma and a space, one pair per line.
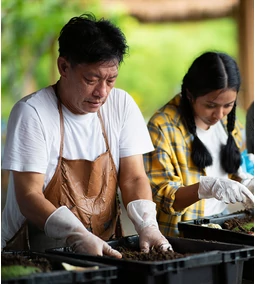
68, 147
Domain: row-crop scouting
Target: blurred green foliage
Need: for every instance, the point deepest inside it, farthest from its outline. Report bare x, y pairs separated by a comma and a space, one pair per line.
159, 54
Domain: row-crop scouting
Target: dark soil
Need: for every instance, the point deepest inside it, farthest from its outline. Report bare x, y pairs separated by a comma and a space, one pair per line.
240, 225
153, 255
12, 259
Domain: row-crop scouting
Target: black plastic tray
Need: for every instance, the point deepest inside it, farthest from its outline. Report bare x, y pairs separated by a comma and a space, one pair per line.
212, 263
193, 229
101, 275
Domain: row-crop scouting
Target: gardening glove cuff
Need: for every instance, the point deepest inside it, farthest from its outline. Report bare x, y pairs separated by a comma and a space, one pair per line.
63, 224
143, 215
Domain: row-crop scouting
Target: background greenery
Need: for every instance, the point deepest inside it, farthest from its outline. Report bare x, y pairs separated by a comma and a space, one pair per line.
159, 54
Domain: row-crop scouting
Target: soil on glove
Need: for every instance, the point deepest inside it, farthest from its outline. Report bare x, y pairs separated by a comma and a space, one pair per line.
153, 255
240, 225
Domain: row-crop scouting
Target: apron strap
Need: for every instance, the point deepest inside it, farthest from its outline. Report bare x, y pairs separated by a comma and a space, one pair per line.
106, 141
55, 87
118, 231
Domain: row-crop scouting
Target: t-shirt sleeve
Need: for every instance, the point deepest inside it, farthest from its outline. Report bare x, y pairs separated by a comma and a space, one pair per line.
134, 136
25, 147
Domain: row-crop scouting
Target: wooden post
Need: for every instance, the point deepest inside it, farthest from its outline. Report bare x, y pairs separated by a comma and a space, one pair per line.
245, 20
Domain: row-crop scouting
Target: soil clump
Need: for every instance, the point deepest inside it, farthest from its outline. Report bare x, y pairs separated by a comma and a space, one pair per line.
240, 225
152, 255
11, 259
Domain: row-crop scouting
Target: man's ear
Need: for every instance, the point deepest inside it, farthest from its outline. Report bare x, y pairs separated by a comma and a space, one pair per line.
63, 65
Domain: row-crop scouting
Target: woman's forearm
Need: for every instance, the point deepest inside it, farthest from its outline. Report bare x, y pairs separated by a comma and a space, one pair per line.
186, 196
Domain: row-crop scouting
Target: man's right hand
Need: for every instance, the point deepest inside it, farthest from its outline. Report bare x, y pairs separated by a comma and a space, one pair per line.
63, 224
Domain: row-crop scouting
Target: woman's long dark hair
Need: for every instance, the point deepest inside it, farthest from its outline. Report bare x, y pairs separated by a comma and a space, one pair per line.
210, 72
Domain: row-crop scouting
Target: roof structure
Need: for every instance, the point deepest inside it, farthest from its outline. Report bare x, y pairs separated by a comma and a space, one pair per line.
195, 10
174, 10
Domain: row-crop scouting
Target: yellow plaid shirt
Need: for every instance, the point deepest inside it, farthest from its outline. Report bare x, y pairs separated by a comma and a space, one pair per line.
170, 166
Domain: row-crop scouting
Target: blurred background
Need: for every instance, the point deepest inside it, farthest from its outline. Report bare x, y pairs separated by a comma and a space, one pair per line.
164, 37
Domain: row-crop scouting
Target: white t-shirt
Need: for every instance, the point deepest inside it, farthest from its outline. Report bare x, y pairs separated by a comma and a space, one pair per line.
33, 139
213, 138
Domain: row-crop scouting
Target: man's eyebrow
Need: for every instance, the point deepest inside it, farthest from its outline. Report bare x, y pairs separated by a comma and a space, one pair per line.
91, 74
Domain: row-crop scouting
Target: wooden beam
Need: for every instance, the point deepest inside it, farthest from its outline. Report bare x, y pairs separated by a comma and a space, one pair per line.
245, 20
173, 10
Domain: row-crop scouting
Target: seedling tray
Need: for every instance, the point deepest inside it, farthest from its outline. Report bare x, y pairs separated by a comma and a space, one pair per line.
193, 229
210, 262
96, 273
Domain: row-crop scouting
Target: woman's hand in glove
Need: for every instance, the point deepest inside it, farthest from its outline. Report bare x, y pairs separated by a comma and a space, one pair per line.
223, 189
246, 179
143, 215
249, 183
63, 224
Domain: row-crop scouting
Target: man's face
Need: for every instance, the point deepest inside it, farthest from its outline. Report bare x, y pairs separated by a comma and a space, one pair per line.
86, 87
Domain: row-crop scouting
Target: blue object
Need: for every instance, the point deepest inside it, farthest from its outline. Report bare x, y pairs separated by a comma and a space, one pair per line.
247, 165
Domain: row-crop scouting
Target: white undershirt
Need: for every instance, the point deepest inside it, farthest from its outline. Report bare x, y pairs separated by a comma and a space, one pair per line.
33, 140
213, 138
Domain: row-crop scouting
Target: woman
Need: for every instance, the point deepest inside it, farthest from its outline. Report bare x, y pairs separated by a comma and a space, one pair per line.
197, 142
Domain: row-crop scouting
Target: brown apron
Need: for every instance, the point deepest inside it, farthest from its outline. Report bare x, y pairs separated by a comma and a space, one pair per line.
88, 189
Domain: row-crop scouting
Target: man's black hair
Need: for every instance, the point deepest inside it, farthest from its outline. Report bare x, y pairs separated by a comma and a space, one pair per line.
85, 39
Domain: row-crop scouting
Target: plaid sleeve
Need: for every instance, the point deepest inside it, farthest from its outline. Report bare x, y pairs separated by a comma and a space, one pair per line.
161, 165
169, 167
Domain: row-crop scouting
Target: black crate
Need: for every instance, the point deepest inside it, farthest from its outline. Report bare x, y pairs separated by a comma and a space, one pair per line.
193, 229
96, 273
210, 263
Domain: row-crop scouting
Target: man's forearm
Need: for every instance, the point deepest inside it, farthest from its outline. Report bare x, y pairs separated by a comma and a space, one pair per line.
138, 188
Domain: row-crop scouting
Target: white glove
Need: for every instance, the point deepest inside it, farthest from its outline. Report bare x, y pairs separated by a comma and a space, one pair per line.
143, 215
246, 179
63, 224
226, 190
249, 183
243, 175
